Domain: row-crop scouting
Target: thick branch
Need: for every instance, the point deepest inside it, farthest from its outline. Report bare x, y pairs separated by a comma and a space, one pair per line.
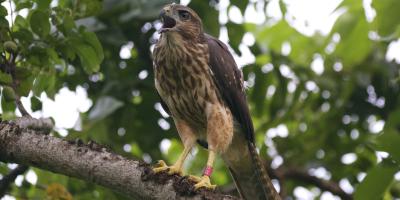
94, 163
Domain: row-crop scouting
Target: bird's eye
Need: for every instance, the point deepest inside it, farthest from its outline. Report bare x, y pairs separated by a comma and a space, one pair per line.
184, 15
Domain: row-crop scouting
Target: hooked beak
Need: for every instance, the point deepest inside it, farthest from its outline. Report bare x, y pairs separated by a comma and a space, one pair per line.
168, 22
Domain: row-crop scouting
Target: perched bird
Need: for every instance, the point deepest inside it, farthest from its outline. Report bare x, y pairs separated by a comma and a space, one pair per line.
202, 89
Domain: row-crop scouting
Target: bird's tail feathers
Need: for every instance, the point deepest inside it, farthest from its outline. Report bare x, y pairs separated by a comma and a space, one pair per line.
262, 174
248, 172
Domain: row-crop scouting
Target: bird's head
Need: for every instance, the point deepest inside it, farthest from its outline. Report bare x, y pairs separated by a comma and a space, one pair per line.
182, 20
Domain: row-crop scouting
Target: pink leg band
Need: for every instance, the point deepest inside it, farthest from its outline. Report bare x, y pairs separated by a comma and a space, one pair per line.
208, 171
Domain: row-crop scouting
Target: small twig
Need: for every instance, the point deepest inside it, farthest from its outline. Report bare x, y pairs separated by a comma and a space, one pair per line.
8, 179
20, 107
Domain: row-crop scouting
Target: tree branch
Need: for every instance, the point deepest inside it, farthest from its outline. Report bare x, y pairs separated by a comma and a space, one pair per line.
283, 173
8, 179
94, 163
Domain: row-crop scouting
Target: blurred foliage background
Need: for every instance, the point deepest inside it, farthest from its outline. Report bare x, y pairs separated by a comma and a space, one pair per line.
323, 102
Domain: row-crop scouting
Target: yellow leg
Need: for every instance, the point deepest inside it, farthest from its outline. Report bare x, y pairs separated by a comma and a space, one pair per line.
204, 181
175, 168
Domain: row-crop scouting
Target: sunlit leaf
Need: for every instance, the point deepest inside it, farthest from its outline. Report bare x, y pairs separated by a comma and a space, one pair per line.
274, 36
387, 16
354, 45
376, 182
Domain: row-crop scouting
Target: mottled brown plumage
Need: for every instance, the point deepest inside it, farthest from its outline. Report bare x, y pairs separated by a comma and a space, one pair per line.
202, 89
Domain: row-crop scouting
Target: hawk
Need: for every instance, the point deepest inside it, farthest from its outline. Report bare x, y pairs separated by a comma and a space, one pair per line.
202, 89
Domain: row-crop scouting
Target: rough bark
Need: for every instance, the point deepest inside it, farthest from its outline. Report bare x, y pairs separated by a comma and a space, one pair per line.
92, 162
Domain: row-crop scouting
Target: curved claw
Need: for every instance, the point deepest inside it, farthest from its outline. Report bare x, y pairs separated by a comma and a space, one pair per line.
164, 167
202, 182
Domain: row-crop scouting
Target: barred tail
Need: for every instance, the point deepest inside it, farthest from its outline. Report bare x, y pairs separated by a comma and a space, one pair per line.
262, 174
248, 172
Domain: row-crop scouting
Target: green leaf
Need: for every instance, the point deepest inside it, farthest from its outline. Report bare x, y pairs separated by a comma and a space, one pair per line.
88, 57
43, 4
376, 182
299, 54
43, 82
8, 94
25, 86
241, 4
389, 140
3, 11
235, 34
22, 5
92, 39
143, 9
282, 6
22, 73
87, 8
23, 35
208, 15
40, 23
36, 104
67, 52
274, 36
8, 107
104, 106
278, 100
354, 45
20, 22
68, 24
262, 81
5, 78
3, 24
387, 16
351, 4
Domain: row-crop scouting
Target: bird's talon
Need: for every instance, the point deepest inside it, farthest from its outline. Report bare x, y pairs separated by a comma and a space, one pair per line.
164, 167
161, 163
175, 170
161, 166
204, 183
195, 179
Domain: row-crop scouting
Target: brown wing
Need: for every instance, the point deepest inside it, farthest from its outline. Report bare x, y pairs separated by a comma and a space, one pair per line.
228, 79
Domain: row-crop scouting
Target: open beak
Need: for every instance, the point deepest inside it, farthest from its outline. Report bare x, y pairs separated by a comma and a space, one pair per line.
168, 22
